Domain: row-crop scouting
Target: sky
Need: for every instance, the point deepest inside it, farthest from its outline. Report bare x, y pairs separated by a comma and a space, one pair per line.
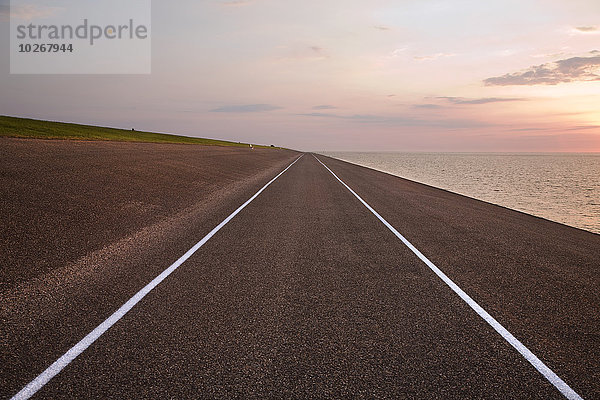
348, 75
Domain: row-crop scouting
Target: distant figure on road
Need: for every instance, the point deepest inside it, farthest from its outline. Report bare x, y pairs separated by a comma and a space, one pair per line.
251, 147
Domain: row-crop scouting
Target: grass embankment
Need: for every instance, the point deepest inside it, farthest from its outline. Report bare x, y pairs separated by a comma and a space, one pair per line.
33, 128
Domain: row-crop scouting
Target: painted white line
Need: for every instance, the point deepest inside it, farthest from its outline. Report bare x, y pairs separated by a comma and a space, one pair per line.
514, 342
87, 341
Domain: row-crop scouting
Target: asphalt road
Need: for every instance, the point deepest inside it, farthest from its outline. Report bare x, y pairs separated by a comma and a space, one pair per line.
305, 293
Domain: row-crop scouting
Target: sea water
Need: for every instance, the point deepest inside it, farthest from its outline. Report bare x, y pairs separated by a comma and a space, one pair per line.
560, 187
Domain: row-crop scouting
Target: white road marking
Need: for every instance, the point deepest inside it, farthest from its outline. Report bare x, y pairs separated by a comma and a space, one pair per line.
514, 342
87, 341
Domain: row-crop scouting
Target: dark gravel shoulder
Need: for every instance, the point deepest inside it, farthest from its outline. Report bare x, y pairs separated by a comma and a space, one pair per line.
62, 200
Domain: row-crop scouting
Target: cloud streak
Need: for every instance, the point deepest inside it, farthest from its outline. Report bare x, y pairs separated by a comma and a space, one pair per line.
428, 106
587, 29
572, 69
317, 49
401, 120
324, 107
484, 100
246, 108
433, 57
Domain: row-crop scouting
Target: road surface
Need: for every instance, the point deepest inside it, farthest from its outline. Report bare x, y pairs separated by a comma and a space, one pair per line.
306, 293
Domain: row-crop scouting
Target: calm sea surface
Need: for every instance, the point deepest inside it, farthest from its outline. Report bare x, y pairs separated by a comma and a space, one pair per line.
561, 187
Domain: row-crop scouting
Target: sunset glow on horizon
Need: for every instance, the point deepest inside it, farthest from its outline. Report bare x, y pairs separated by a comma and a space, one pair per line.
350, 75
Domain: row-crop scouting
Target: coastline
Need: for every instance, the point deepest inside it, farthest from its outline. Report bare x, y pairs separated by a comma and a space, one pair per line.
539, 204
